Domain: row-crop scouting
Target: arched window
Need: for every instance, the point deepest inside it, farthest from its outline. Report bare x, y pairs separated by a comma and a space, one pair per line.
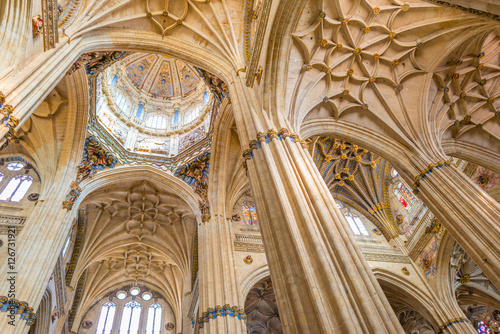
250, 213
16, 188
130, 319
105, 324
157, 122
404, 196
356, 224
121, 102
154, 319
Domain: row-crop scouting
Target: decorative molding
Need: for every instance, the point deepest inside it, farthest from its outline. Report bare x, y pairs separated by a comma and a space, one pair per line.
477, 12
423, 174
223, 311
248, 247
94, 158
259, 41
195, 174
8, 120
50, 16
376, 257
271, 134
77, 247
216, 85
247, 29
11, 221
14, 306
76, 299
451, 323
194, 271
95, 62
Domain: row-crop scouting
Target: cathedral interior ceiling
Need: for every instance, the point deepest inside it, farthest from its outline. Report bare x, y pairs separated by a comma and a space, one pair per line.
136, 232
364, 61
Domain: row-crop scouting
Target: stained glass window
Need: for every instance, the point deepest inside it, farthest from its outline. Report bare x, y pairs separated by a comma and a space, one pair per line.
249, 213
130, 318
356, 224
405, 196
154, 319
16, 188
482, 328
106, 318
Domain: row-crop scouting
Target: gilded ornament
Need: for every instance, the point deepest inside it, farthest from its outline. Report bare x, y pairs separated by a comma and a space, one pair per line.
446, 89
351, 178
405, 7
372, 79
308, 67
357, 51
491, 100
329, 71
481, 55
350, 72
323, 43
339, 46
364, 106
497, 114
272, 134
325, 99
376, 56
303, 143
463, 94
248, 259
479, 126
343, 146
357, 158
457, 123
345, 92
284, 132
253, 144
377, 231
261, 137
392, 35
295, 137
366, 30
480, 66
456, 76
482, 82
179, 21
337, 176
376, 10
345, 21
467, 118
395, 62
341, 183
399, 87
419, 45
465, 279
405, 271
322, 15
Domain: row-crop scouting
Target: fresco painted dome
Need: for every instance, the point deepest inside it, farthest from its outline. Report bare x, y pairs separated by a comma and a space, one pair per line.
161, 77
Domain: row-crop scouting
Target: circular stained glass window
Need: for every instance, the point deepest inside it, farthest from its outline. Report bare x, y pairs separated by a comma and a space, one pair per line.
15, 166
135, 291
147, 296
121, 295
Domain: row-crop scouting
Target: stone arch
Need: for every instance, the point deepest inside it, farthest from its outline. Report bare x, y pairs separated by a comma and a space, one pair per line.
404, 293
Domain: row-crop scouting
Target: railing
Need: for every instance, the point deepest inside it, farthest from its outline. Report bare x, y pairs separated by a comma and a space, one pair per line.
253, 239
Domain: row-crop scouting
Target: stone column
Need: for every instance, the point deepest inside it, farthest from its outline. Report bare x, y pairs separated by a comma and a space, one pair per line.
219, 309
323, 283
466, 211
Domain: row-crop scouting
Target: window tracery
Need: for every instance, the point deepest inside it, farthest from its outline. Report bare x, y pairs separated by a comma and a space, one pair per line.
106, 318
154, 319
250, 213
130, 318
404, 195
355, 223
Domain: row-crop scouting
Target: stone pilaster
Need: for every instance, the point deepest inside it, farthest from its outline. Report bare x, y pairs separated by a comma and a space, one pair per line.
323, 283
467, 212
219, 311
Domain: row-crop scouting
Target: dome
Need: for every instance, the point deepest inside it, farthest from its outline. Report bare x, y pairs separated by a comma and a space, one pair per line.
161, 77
153, 104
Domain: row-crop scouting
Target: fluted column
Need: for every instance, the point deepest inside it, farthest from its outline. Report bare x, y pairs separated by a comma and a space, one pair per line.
467, 212
219, 309
322, 281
